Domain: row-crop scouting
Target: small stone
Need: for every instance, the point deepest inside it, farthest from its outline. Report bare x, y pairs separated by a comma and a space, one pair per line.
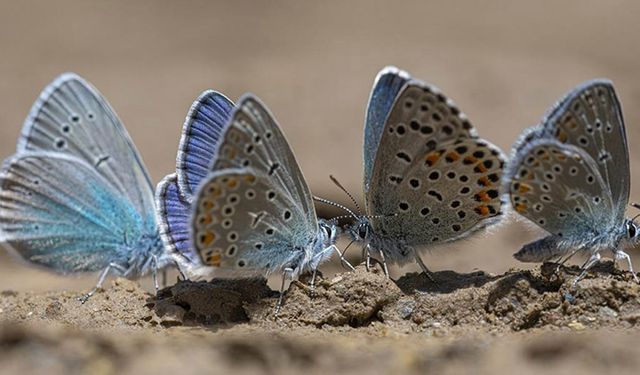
608, 311
405, 308
576, 326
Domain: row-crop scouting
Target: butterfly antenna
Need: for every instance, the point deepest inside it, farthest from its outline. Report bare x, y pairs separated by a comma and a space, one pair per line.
339, 185
334, 204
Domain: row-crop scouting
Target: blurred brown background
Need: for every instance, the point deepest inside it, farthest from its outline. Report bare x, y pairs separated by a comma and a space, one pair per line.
313, 63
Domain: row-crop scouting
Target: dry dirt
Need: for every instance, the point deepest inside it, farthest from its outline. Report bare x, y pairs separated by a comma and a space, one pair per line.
352, 322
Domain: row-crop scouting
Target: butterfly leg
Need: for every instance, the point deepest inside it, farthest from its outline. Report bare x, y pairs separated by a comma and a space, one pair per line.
343, 260
286, 273
563, 261
154, 273
424, 268
312, 282
595, 258
620, 255
384, 264
103, 275
366, 253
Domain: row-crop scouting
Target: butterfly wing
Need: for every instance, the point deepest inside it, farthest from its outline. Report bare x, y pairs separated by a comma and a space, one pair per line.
173, 218
201, 134
244, 225
257, 193
433, 179
559, 187
254, 140
72, 118
386, 86
590, 118
58, 212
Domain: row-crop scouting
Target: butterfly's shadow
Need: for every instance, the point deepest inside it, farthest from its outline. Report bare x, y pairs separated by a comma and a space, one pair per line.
202, 303
443, 281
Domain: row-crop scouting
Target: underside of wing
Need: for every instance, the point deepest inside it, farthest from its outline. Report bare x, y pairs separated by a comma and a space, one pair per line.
433, 180
386, 87
559, 187
590, 118
254, 140
243, 225
70, 117
57, 212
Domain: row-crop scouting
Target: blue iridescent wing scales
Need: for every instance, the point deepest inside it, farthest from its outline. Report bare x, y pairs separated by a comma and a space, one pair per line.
58, 212
203, 127
386, 87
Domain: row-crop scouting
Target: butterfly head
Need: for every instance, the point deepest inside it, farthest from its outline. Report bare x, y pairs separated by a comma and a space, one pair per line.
632, 231
325, 242
329, 232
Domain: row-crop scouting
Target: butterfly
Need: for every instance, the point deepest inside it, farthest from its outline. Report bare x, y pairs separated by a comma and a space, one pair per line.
254, 213
76, 196
201, 135
570, 176
428, 178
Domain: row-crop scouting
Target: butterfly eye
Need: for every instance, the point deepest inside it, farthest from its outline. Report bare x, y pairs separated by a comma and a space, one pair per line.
327, 230
362, 232
631, 230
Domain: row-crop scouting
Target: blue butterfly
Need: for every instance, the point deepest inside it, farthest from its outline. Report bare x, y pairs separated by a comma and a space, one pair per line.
201, 135
570, 176
428, 178
76, 196
254, 214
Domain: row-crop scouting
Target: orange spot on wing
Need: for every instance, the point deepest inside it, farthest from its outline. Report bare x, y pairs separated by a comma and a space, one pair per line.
524, 188
206, 219
452, 156
432, 158
207, 205
481, 168
470, 159
214, 259
250, 178
207, 239
482, 210
232, 183
482, 196
521, 207
484, 181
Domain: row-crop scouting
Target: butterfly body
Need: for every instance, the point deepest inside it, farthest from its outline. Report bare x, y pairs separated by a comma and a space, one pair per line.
429, 179
76, 197
570, 176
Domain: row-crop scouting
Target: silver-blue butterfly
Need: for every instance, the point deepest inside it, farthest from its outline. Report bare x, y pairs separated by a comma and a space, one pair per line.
428, 178
76, 196
570, 176
254, 214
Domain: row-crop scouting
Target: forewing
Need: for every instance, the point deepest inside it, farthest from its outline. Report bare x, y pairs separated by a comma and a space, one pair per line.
254, 140
386, 87
244, 225
72, 118
559, 187
56, 211
590, 118
434, 180
201, 135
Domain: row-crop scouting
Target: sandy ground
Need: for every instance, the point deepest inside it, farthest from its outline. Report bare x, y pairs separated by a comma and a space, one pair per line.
504, 63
